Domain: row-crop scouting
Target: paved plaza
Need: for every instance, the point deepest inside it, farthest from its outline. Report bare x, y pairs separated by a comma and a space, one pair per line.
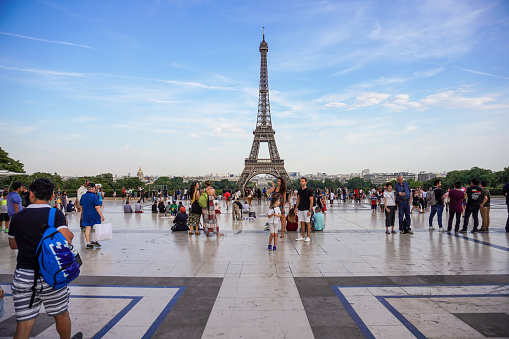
350, 281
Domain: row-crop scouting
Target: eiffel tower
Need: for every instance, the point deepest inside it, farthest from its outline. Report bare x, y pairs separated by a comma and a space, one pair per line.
263, 133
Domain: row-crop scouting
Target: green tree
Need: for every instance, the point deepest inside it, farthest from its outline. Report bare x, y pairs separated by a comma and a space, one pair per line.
9, 164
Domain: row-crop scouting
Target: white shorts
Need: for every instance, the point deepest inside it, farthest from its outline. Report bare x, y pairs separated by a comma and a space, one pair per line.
303, 216
274, 227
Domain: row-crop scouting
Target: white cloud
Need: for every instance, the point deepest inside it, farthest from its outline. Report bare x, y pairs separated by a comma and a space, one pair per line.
400, 101
369, 99
335, 105
453, 100
45, 40
42, 71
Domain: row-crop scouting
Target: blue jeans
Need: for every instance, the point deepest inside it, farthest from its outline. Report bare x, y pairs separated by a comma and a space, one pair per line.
436, 209
404, 210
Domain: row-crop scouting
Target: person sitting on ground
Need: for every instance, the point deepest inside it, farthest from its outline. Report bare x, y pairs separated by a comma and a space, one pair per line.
161, 207
292, 221
127, 208
180, 206
319, 219
168, 209
154, 207
246, 207
70, 207
137, 207
180, 221
173, 208
217, 208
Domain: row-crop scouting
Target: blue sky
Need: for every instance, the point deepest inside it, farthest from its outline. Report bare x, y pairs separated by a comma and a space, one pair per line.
89, 87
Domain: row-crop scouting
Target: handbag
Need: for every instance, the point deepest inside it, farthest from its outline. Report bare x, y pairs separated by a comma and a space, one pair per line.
103, 232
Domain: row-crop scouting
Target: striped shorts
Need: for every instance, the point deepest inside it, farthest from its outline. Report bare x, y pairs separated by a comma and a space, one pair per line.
55, 301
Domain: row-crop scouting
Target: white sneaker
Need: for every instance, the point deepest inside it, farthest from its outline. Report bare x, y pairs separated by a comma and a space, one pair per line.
441, 229
431, 228
299, 239
307, 239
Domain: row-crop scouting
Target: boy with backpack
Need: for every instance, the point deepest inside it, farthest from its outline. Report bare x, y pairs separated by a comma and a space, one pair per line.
25, 235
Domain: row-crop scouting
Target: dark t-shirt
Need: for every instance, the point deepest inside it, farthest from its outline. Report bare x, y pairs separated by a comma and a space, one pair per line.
474, 196
304, 195
456, 200
505, 190
88, 202
438, 196
25, 228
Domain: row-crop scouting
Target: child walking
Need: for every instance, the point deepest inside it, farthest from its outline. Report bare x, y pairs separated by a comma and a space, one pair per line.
274, 221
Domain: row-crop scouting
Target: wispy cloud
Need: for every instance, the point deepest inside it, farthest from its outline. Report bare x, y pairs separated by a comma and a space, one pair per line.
46, 40
42, 71
482, 73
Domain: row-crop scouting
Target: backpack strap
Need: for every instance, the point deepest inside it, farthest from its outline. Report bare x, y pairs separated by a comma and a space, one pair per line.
51, 223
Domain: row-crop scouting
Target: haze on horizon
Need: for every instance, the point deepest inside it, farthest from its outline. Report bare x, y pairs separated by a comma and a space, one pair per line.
103, 86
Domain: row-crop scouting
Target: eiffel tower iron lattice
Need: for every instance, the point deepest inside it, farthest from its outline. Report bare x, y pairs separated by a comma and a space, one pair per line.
263, 133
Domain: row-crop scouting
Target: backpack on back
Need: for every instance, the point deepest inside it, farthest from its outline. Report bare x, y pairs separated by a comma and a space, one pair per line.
204, 200
57, 264
431, 197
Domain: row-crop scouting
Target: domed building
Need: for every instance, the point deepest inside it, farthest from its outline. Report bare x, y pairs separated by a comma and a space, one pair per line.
140, 174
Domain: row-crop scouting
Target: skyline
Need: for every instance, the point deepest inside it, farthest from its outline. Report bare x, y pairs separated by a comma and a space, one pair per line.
173, 86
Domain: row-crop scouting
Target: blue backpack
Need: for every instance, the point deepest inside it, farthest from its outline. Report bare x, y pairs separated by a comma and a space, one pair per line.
58, 265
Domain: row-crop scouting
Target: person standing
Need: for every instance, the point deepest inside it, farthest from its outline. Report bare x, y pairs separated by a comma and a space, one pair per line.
63, 202
81, 191
505, 190
403, 194
456, 197
279, 192
14, 203
274, 215
485, 207
91, 212
193, 221
24, 236
473, 196
304, 206
25, 196
438, 207
209, 213
390, 208
4, 216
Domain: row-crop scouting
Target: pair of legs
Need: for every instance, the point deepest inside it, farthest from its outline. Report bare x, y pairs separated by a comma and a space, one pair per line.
438, 210
485, 216
283, 225
305, 226
193, 222
475, 215
236, 212
62, 321
390, 217
451, 217
404, 213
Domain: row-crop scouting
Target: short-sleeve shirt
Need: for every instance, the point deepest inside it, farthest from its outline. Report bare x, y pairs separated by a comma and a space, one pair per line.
474, 197
3, 205
304, 195
486, 193
274, 219
456, 200
319, 221
390, 199
13, 198
88, 202
25, 228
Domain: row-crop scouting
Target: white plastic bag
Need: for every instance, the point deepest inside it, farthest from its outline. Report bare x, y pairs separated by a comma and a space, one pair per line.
103, 232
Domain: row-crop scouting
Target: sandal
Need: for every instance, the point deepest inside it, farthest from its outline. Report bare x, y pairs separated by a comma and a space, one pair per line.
282, 236
394, 232
387, 232
191, 232
197, 233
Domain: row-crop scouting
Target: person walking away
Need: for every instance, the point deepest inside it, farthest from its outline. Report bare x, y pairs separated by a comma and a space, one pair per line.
485, 207
24, 236
274, 215
193, 221
402, 191
92, 215
4, 216
437, 205
81, 191
304, 206
456, 197
473, 196
505, 191
390, 208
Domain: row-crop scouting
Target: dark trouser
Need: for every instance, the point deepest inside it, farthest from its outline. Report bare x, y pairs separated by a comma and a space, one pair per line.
404, 211
390, 216
475, 215
458, 218
436, 209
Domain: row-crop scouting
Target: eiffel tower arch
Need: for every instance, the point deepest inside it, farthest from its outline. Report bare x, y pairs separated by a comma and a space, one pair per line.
263, 133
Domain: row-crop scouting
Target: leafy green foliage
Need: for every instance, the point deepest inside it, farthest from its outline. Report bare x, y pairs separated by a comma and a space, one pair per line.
9, 164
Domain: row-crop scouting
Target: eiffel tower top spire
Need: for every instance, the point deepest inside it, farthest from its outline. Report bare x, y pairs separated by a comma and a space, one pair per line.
264, 122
